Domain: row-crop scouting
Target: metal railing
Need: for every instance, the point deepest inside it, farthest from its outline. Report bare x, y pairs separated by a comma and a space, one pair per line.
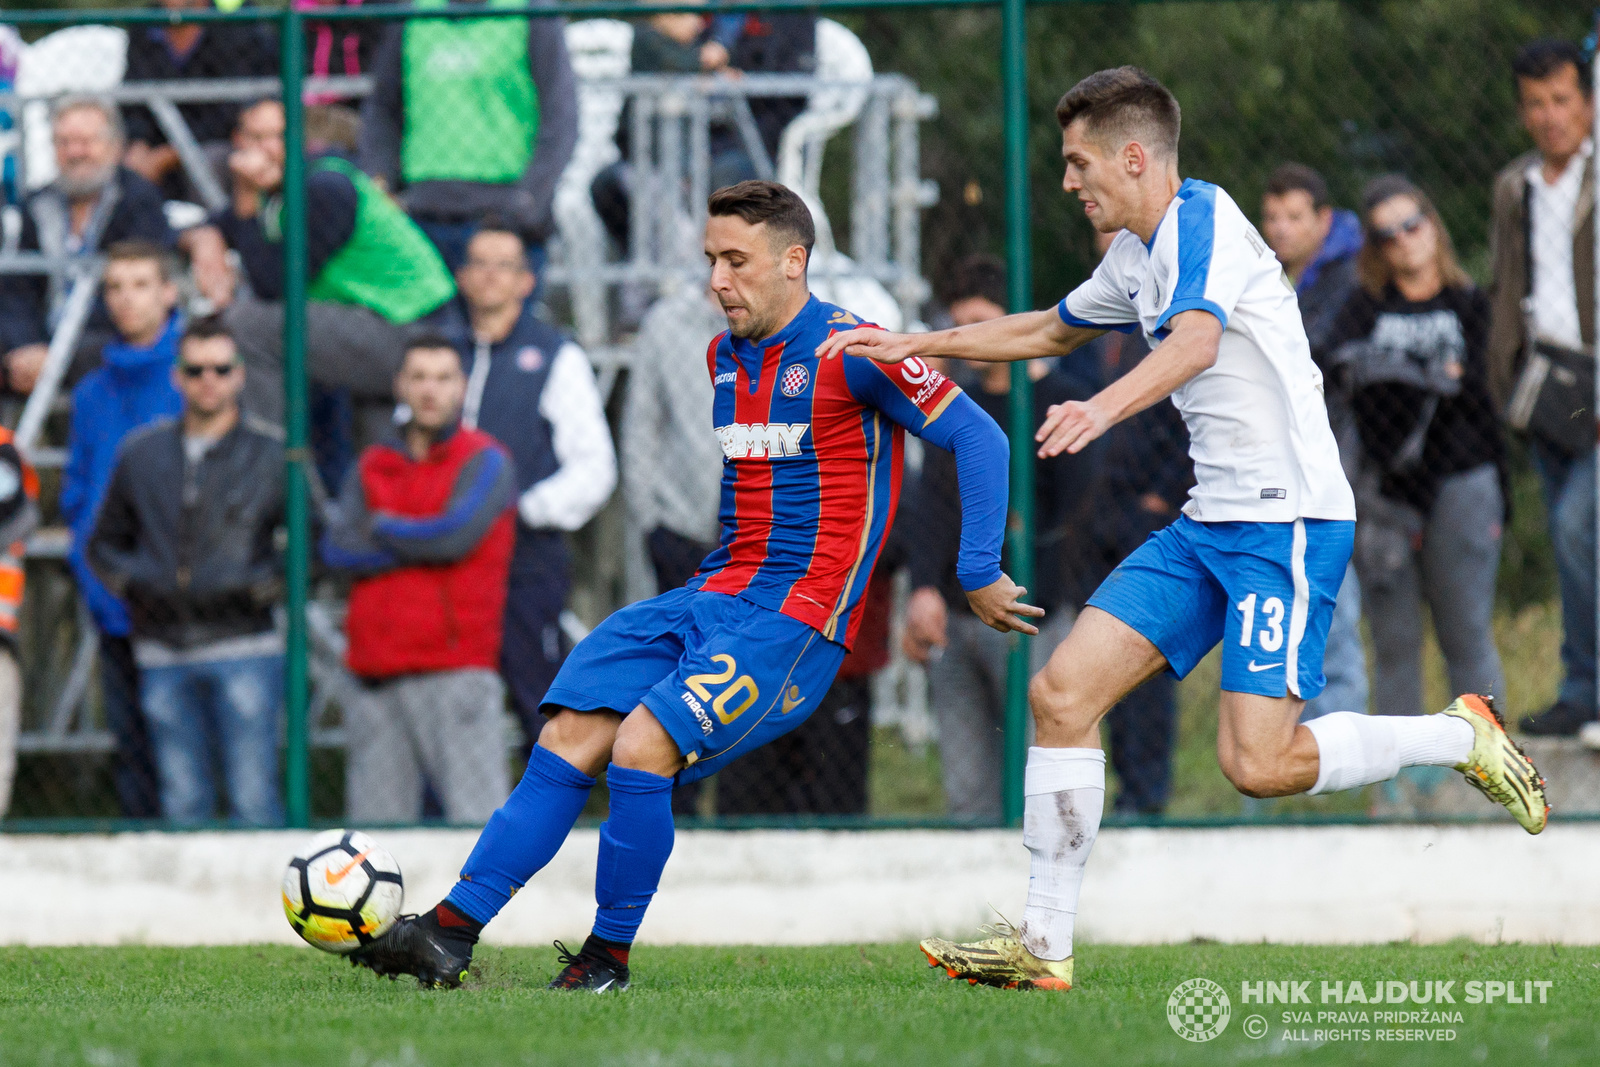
671, 122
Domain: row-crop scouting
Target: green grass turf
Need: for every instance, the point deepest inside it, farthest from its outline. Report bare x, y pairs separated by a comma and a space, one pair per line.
872, 1004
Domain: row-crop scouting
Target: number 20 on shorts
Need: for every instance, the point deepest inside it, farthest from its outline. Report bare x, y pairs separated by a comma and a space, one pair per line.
744, 685
1271, 634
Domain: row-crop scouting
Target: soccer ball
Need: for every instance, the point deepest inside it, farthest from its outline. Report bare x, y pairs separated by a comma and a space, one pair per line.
343, 891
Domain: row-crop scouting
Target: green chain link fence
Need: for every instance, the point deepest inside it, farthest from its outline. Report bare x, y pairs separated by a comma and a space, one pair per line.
1354, 90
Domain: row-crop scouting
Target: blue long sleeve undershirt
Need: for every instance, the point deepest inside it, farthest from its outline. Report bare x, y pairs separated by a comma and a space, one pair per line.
983, 465
980, 447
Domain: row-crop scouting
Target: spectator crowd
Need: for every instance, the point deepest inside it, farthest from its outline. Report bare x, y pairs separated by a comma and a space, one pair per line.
460, 438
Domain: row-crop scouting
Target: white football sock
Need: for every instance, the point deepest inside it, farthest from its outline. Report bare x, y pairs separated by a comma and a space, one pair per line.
1433, 740
1355, 750
1065, 793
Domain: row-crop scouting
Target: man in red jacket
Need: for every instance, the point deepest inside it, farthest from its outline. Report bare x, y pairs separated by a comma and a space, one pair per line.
425, 523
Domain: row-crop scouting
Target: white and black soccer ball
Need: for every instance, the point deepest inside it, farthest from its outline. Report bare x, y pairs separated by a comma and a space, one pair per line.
342, 891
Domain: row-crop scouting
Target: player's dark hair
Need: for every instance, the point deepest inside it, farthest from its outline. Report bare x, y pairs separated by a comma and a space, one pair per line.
1126, 103
205, 328
979, 275
778, 206
1537, 60
1297, 177
428, 341
135, 250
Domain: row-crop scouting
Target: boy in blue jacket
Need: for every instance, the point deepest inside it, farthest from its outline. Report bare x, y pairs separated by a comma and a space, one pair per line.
131, 387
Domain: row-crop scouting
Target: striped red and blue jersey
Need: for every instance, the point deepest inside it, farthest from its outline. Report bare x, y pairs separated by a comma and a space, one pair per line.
813, 455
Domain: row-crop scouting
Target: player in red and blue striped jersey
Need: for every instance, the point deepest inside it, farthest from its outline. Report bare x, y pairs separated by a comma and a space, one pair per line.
673, 688
814, 454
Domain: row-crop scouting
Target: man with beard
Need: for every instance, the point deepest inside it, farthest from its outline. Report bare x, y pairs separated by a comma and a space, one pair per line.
671, 689
93, 203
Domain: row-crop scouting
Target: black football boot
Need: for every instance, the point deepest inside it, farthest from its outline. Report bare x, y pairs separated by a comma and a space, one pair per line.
599, 967
437, 955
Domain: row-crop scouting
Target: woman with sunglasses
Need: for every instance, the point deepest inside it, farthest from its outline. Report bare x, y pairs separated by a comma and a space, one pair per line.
1410, 344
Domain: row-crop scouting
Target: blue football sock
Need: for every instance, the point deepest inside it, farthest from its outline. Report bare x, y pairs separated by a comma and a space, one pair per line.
635, 841
522, 836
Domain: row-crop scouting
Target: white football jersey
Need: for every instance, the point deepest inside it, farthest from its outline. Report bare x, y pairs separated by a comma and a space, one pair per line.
1258, 423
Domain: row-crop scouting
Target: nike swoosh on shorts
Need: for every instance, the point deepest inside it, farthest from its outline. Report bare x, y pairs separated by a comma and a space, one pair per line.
1257, 668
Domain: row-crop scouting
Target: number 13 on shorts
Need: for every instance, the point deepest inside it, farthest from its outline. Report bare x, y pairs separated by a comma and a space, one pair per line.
1270, 636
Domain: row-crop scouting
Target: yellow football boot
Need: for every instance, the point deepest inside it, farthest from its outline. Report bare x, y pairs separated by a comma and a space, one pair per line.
1496, 767
999, 960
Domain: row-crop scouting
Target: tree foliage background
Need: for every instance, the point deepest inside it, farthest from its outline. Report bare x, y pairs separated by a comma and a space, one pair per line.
1355, 89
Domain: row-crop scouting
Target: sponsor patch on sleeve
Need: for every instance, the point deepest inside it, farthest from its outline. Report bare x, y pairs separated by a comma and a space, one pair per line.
930, 390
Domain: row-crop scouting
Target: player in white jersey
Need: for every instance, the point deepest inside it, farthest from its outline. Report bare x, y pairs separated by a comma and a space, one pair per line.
1257, 557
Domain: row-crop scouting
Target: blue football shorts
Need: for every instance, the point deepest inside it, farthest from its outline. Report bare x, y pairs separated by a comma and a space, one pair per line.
1266, 590
722, 675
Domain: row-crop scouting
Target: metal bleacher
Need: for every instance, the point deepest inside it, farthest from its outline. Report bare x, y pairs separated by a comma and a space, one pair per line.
672, 117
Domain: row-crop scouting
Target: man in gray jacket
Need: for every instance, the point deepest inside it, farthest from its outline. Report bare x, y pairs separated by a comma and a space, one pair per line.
471, 117
187, 537
1542, 241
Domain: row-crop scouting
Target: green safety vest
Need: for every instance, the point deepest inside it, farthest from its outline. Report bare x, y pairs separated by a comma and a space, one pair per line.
472, 110
388, 265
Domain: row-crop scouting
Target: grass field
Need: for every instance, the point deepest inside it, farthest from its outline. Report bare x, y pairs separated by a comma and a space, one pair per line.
871, 1004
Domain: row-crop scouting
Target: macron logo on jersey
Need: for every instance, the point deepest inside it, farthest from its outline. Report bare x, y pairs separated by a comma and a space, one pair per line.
761, 440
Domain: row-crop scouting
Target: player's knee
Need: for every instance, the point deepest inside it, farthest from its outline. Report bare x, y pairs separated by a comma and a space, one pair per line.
1052, 703
580, 726
582, 738
628, 751
643, 744
1041, 696
1257, 777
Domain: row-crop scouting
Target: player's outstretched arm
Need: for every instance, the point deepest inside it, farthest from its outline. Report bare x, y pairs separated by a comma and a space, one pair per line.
1190, 348
983, 461
931, 406
1030, 335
